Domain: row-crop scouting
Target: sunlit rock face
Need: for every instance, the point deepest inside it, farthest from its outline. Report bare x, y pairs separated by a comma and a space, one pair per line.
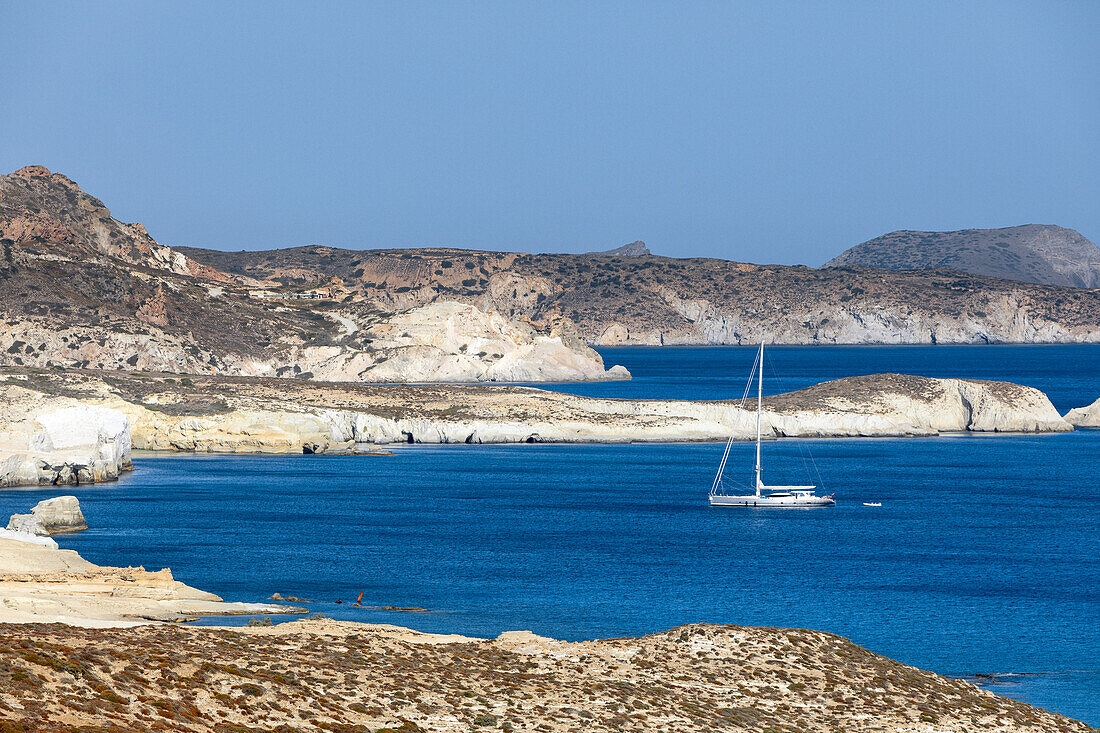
50, 516
1085, 417
455, 342
60, 440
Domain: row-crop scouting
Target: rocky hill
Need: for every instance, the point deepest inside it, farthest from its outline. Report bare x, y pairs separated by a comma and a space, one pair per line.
1032, 253
322, 675
78, 288
647, 299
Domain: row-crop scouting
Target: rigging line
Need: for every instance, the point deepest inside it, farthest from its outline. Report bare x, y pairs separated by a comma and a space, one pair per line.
803, 451
729, 443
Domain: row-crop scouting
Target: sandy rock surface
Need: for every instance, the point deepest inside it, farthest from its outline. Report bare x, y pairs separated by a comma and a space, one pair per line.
1085, 417
50, 516
46, 585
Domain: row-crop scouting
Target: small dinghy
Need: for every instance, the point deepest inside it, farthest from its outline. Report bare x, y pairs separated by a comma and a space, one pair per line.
872, 503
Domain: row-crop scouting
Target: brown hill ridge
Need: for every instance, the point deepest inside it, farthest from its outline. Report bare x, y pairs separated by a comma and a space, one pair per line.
78, 288
1032, 253
648, 299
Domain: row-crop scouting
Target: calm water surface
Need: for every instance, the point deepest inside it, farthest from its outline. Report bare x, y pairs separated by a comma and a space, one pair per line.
1070, 375
985, 556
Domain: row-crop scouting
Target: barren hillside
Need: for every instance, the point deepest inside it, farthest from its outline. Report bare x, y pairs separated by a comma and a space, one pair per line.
1032, 253
648, 299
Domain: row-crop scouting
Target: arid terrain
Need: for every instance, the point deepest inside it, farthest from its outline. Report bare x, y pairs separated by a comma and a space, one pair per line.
321, 675
78, 288
1031, 253
648, 299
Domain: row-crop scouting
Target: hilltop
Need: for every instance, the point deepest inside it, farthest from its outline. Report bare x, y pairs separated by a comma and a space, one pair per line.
649, 299
79, 288
322, 675
1033, 253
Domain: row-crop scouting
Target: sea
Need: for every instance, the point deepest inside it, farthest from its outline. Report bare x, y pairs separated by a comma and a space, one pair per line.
983, 560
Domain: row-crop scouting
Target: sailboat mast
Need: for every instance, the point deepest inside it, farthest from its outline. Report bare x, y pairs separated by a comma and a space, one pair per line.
759, 407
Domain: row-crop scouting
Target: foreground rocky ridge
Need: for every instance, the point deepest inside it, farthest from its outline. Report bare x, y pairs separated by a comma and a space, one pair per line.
325, 675
233, 415
78, 288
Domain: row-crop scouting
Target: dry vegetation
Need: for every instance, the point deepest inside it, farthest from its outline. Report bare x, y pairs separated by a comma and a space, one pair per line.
328, 676
595, 291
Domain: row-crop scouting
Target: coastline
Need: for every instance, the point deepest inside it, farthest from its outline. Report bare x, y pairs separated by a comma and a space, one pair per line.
73, 426
339, 675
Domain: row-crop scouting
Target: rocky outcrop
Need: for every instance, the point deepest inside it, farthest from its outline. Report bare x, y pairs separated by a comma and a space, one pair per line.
1085, 417
49, 209
50, 516
59, 441
452, 342
292, 416
1035, 253
42, 584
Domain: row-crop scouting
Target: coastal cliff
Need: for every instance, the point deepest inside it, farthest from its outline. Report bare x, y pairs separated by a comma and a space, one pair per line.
59, 440
235, 415
1085, 417
79, 288
645, 299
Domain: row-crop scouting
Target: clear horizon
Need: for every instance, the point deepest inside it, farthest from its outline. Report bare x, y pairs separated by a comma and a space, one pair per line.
763, 132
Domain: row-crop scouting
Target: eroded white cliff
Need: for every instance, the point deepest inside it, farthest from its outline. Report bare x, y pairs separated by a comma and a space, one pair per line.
59, 440
1085, 417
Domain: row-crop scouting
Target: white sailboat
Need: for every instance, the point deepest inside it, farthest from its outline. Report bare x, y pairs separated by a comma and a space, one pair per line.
764, 496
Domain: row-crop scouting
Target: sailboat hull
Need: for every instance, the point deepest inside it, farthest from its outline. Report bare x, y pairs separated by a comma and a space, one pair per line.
794, 502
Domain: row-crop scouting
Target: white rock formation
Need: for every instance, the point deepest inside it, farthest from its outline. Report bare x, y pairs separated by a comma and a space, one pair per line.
50, 516
295, 417
42, 584
60, 440
1085, 417
32, 538
529, 415
452, 342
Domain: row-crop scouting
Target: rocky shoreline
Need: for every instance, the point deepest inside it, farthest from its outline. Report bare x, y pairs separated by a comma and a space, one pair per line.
44, 584
70, 427
87, 647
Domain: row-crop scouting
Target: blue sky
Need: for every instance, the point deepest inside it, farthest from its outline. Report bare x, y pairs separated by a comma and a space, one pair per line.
766, 132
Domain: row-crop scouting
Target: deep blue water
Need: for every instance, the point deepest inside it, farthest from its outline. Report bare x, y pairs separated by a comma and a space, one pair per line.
1070, 375
985, 556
